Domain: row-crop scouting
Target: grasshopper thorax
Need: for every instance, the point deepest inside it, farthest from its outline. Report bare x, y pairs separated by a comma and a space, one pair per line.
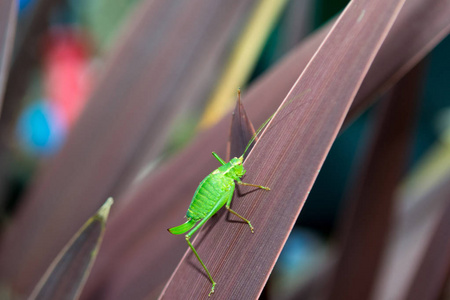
236, 167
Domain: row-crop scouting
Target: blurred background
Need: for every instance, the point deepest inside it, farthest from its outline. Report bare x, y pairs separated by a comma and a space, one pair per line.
70, 56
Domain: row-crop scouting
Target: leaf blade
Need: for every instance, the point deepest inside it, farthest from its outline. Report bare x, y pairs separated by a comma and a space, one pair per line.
8, 18
289, 153
67, 274
143, 227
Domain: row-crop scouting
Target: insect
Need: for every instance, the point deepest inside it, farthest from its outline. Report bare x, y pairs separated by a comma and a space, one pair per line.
215, 191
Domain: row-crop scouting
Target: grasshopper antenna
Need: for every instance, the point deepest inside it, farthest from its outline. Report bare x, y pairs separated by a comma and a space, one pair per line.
258, 131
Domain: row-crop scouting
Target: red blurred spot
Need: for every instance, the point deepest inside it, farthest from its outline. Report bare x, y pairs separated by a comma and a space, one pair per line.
66, 77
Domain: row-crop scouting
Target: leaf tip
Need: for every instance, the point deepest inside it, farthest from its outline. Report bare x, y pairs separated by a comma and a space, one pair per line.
103, 212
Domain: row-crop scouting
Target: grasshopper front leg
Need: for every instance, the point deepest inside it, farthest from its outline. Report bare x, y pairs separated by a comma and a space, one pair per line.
255, 185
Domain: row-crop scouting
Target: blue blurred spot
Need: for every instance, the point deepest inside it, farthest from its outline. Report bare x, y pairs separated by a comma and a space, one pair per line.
300, 251
40, 129
302, 255
24, 4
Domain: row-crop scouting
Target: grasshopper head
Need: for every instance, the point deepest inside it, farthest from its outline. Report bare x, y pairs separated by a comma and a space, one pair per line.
237, 166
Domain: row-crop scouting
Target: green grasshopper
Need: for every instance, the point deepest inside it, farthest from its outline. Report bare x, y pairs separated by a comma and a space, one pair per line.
215, 191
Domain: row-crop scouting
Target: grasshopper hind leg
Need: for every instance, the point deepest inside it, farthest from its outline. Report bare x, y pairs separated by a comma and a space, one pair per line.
189, 235
202, 263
